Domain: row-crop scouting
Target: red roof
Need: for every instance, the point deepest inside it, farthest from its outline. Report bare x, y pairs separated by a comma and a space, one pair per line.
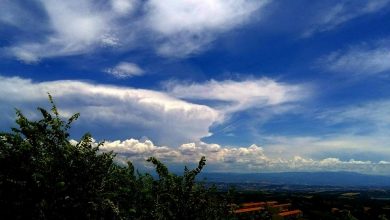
248, 210
280, 205
251, 204
290, 213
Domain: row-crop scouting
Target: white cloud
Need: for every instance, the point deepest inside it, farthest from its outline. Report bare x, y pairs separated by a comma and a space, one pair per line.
173, 28
137, 150
71, 28
217, 156
156, 114
334, 164
175, 16
125, 69
24, 55
360, 60
342, 12
186, 26
241, 95
75, 21
124, 6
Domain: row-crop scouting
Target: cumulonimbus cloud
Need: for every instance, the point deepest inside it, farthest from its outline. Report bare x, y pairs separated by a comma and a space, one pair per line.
140, 112
153, 113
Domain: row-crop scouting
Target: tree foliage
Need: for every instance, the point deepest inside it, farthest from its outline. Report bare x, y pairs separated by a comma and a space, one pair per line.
43, 175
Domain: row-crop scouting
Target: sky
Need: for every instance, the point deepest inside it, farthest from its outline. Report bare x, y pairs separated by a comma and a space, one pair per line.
254, 85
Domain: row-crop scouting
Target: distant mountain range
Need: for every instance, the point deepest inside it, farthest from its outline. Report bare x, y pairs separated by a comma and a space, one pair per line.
300, 178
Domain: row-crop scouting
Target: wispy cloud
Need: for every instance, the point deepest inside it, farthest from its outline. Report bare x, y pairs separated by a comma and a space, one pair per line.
341, 145
342, 12
260, 99
371, 115
366, 59
241, 95
171, 28
124, 70
73, 27
186, 27
355, 131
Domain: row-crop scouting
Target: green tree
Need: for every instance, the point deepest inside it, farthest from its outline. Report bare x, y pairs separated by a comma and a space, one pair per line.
180, 197
43, 175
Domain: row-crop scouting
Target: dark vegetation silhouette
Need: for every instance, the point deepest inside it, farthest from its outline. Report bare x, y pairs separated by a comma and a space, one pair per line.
44, 176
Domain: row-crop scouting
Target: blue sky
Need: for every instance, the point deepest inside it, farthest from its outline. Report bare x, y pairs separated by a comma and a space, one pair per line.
256, 86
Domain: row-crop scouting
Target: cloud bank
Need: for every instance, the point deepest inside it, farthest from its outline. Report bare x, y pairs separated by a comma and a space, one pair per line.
237, 159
